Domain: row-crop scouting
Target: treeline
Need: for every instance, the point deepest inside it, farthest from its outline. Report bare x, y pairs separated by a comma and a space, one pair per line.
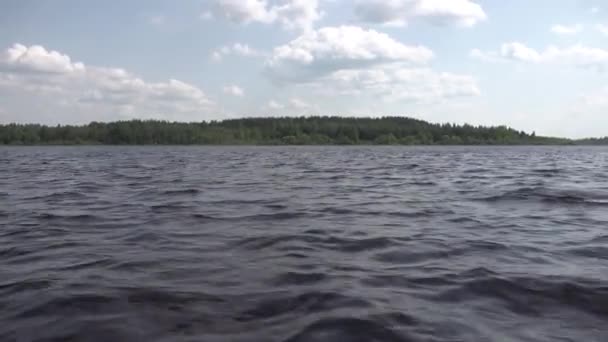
272, 131
593, 141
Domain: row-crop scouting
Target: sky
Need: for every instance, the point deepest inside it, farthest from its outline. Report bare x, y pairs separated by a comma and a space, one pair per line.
535, 65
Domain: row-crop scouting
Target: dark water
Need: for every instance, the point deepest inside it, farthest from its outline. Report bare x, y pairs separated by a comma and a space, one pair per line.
303, 244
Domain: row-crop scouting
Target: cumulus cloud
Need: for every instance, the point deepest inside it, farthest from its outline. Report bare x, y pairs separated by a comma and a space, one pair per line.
598, 99
236, 49
349, 60
484, 56
290, 14
272, 104
519, 52
234, 90
465, 13
37, 59
62, 82
576, 55
567, 30
395, 83
329, 49
298, 104
293, 106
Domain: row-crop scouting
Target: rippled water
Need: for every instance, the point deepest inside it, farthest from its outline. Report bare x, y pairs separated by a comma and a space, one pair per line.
303, 244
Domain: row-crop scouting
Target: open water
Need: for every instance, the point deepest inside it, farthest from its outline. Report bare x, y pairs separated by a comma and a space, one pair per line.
304, 244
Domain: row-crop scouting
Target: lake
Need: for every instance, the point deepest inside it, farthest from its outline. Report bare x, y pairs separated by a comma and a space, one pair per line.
304, 244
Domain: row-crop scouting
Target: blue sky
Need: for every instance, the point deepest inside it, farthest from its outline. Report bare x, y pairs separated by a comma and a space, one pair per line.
537, 65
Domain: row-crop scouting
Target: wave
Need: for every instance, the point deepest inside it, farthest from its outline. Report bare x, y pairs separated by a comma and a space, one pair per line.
347, 245
596, 252
58, 196
550, 196
299, 278
347, 329
444, 251
533, 295
404, 214
47, 216
205, 247
301, 304
176, 192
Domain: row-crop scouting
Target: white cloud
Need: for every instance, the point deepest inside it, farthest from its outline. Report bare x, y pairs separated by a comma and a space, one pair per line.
595, 10
37, 59
519, 52
298, 103
293, 106
567, 30
157, 20
349, 60
234, 90
576, 55
603, 29
484, 56
330, 49
465, 13
237, 49
61, 82
272, 104
244, 11
598, 99
395, 83
291, 14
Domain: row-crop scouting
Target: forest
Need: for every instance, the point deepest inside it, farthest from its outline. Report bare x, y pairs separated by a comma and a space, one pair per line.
324, 130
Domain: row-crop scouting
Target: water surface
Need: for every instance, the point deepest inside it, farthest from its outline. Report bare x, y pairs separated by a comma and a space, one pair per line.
304, 244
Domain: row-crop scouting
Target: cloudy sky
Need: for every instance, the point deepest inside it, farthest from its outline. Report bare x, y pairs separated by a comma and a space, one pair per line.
538, 65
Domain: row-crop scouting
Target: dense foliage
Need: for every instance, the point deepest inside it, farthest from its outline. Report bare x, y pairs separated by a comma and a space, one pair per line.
593, 141
272, 131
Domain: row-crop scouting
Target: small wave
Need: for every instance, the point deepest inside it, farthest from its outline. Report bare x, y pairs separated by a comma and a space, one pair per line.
410, 257
299, 279
83, 303
146, 236
421, 183
547, 171
347, 245
399, 281
360, 245
549, 196
347, 329
203, 217
167, 298
87, 264
177, 192
596, 252
531, 296
404, 214
276, 206
276, 216
67, 216
58, 196
24, 285
171, 207
306, 303
258, 243
280, 216
464, 219
13, 252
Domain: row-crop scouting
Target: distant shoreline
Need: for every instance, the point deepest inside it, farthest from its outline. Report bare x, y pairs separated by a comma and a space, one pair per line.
574, 144
283, 131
